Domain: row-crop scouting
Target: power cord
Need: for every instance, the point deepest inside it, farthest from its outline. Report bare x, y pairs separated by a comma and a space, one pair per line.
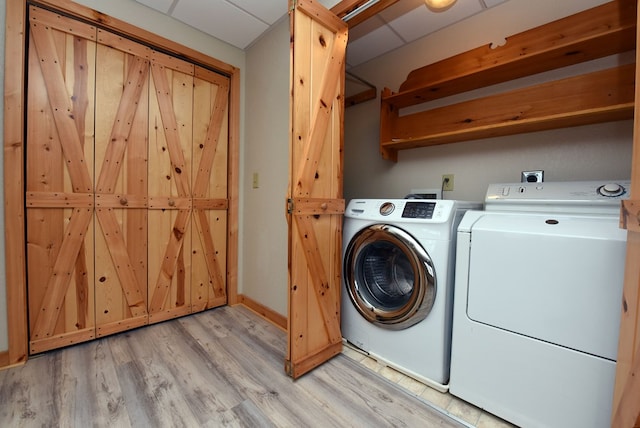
445, 180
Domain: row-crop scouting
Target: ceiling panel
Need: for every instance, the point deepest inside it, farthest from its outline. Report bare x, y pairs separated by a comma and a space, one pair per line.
491, 3
402, 23
221, 19
242, 22
159, 5
420, 21
269, 11
372, 44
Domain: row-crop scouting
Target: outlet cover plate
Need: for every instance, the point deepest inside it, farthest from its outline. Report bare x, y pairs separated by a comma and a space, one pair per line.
533, 176
447, 182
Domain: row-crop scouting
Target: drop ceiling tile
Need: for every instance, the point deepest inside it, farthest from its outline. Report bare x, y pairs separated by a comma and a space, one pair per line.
372, 45
268, 11
491, 3
159, 5
401, 8
365, 28
220, 19
241, 22
423, 21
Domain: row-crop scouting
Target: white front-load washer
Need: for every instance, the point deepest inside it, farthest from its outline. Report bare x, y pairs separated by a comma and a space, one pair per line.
398, 272
538, 291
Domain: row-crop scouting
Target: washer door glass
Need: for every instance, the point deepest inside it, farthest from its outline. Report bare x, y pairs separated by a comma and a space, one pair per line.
389, 276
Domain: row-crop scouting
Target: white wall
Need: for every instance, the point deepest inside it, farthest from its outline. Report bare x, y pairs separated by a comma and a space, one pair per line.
267, 154
264, 247
590, 152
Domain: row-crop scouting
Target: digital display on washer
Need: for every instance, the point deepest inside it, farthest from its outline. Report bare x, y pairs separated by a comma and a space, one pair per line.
418, 210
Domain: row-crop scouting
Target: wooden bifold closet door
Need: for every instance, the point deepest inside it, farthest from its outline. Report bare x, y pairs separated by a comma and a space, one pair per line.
126, 184
315, 200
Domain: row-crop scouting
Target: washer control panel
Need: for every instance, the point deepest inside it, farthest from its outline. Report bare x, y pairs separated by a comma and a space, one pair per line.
401, 210
418, 210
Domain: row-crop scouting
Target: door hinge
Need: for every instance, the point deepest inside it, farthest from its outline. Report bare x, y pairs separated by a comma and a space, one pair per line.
289, 206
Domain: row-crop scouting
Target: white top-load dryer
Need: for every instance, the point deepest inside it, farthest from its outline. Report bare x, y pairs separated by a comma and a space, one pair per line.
398, 282
537, 303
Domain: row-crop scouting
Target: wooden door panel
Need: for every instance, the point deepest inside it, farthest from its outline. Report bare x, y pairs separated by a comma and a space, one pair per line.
210, 203
57, 65
170, 141
208, 274
59, 181
315, 204
318, 251
121, 189
121, 226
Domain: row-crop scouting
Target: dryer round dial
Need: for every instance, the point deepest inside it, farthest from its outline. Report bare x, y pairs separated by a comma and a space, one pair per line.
611, 190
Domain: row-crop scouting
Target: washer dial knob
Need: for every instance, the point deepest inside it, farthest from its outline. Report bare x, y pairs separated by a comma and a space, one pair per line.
387, 208
611, 190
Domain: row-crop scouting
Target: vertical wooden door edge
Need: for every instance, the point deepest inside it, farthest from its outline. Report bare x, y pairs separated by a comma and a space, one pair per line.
626, 407
233, 186
15, 246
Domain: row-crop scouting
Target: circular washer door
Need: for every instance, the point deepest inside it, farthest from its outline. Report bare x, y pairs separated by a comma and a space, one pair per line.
389, 276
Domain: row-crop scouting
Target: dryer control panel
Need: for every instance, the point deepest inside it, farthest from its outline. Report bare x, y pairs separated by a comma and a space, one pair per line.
568, 196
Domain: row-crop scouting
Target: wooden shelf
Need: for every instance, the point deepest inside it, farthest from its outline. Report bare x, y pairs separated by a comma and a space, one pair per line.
601, 96
597, 97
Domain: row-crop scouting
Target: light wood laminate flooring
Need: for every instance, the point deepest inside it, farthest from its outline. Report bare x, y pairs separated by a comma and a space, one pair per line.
222, 367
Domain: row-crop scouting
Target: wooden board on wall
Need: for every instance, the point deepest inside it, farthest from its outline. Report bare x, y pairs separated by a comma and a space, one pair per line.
210, 189
121, 188
170, 139
59, 181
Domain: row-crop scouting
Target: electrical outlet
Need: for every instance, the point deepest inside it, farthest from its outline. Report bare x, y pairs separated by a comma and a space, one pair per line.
535, 176
256, 180
447, 182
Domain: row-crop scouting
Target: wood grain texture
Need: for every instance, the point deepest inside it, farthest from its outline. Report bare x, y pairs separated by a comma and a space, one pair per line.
121, 188
221, 367
317, 111
13, 160
591, 34
601, 96
15, 112
594, 33
60, 162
